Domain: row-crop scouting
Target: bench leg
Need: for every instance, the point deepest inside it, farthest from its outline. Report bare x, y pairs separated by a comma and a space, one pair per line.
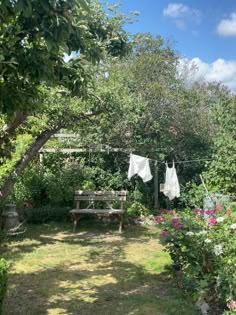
76, 218
121, 223
74, 226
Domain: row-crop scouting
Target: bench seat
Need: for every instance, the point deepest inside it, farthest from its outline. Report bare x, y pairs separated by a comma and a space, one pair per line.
93, 199
97, 211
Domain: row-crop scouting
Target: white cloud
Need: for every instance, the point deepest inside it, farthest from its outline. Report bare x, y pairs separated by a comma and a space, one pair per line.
176, 10
180, 13
220, 70
179, 10
227, 27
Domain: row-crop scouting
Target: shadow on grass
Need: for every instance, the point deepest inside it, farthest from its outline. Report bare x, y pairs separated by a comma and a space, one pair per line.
94, 271
116, 288
88, 233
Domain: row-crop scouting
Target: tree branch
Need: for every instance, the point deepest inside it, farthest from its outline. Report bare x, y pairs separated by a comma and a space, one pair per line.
10, 127
33, 150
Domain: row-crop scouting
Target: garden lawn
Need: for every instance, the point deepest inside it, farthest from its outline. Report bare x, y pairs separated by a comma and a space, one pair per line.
94, 271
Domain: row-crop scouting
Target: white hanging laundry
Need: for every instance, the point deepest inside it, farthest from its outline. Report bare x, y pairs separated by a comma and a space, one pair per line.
139, 165
172, 183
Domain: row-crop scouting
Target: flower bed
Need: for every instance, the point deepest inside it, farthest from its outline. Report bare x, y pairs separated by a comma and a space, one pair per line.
202, 245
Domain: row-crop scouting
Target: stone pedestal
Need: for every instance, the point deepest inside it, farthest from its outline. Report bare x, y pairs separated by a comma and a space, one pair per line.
10, 218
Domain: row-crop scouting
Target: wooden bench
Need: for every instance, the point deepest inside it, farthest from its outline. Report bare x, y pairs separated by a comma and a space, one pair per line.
91, 198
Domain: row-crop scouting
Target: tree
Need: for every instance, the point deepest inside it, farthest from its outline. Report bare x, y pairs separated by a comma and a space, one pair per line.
156, 114
34, 37
159, 115
221, 174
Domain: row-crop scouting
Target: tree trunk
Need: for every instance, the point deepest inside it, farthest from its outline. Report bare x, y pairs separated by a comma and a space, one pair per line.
24, 161
8, 185
8, 130
10, 127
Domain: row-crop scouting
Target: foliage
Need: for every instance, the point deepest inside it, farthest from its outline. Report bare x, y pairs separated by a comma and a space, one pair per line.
45, 214
202, 246
3, 281
35, 35
192, 195
221, 175
232, 206
137, 210
154, 114
54, 185
34, 38
54, 182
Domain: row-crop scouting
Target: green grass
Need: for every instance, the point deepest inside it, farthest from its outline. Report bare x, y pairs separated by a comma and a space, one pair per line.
94, 271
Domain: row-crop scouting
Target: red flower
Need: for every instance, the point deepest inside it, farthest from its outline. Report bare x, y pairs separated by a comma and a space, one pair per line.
164, 233
158, 219
175, 221
228, 213
212, 222
179, 226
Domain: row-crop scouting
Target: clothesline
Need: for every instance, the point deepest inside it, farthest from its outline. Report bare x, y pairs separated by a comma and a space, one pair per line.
178, 162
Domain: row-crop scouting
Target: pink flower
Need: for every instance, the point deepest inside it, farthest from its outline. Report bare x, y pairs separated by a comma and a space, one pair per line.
231, 305
218, 207
175, 221
209, 212
171, 212
158, 219
196, 211
228, 213
179, 226
212, 222
164, 233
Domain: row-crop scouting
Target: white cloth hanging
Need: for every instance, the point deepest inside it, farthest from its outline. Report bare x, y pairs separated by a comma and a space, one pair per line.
139, 165
171, 182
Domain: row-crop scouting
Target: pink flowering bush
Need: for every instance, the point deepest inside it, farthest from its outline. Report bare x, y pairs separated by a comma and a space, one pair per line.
202, 245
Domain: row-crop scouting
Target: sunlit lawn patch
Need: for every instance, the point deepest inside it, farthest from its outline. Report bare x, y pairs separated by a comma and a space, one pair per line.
94, 271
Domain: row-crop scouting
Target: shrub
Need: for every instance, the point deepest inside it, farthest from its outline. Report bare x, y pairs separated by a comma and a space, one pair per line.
45, 214
202, 245
3, 281
137, 210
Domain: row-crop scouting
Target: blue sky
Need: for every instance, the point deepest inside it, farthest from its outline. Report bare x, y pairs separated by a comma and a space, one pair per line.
204, 32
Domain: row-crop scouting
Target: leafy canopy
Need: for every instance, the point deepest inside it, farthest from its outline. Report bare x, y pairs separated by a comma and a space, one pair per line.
34, 37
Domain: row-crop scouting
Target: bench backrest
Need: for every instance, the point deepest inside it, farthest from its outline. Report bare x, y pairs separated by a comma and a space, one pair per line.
81, 195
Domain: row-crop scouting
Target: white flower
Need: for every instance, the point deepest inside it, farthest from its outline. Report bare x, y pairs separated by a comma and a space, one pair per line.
218, 249
220, 219
189, 233
202, 232
207, 240
233, 226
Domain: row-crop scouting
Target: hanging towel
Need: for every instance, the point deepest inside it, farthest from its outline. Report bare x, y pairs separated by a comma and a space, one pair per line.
139, 165
172, 182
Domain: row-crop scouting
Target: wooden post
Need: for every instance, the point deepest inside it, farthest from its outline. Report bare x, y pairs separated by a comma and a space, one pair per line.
156, 194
